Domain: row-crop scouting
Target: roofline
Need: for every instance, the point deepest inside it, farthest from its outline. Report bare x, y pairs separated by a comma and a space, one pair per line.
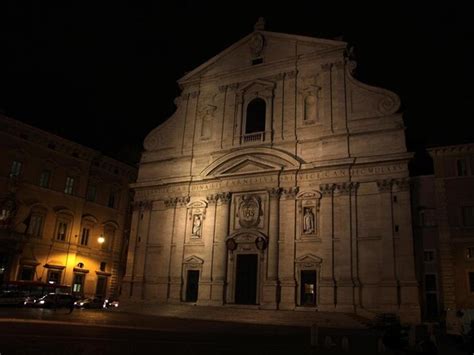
456, 148
214, 59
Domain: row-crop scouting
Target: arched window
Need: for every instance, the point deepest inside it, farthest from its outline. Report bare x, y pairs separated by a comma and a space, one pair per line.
255, 119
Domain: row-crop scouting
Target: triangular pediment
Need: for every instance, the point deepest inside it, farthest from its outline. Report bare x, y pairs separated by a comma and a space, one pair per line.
251, 160
193, 260
276, 47
309, 258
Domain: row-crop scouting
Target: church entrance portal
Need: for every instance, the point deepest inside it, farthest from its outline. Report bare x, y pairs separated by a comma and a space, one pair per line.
246, 279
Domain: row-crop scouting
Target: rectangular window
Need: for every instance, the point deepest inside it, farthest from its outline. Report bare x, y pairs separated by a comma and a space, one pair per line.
35, 226
461, 167
62, 230
468, 216
69, 188
78, 284
111, 202
26, 273
85, 236
16, 168
54, 276
470, 253
103, 265
471, 281
428, 256
44, 178
91, 193
430, 282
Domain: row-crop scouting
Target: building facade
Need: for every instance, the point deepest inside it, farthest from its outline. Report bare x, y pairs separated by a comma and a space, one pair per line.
426, 242
453, 183
280, 182
56, 199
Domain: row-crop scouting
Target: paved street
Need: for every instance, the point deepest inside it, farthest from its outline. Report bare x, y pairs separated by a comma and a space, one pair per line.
182, 329
44, 331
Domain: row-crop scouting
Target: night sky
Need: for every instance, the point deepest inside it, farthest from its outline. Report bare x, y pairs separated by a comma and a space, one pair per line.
104, 76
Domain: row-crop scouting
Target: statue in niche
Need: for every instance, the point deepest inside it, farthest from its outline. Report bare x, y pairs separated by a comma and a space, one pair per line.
308, 221
197, 224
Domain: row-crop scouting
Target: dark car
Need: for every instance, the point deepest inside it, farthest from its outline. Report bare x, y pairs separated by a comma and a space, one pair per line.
55, 300
90, 302
12, 298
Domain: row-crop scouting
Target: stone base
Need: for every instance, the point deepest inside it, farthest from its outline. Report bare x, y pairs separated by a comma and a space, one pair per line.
287, 301
175, 293
269, 297
217, 293
204, 293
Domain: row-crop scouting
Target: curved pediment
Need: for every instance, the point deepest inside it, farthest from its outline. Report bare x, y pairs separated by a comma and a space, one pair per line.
251, 160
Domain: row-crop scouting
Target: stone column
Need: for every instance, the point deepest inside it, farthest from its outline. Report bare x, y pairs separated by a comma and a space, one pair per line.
409, 301
127, 285
289, 105
270, 286
327, 292
208, 230
343, 247
176, 250
219, 257
388, 285
139, 272
355, 245
286, 253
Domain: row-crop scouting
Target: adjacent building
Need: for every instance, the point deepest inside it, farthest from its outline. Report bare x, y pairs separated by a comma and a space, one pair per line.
444, 205
280, 182
64, 211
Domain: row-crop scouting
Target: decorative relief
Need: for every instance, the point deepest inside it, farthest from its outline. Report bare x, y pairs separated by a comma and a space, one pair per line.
142, 205
249, 211
177, 202
345, 188
275, 192
326, 189
289, 193
402, 184
385, 185
224, 197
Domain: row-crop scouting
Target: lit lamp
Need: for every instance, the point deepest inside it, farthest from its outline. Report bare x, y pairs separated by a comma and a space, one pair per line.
101, 239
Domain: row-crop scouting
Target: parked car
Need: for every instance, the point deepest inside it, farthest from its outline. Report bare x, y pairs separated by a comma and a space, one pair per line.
55, 300
111, 303
12, 298
90, 302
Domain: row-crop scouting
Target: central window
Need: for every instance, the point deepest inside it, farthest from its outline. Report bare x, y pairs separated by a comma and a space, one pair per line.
255, 120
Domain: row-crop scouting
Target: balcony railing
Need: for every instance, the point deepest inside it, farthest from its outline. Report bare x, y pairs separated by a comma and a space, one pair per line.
253, 137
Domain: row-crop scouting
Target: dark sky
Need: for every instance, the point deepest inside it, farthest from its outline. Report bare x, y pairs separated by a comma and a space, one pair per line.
104, 76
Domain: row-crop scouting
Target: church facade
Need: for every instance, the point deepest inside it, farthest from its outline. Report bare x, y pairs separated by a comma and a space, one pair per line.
280, 182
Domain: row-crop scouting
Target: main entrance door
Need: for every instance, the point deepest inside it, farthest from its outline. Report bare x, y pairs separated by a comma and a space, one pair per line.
246, 279
308, 288
192, 285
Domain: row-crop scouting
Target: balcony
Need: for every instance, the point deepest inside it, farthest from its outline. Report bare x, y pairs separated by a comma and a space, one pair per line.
256, 137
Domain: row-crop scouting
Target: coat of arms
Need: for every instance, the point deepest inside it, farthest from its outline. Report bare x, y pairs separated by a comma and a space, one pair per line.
249, 211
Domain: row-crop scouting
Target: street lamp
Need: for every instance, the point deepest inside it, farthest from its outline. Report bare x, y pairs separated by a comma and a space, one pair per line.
101, 239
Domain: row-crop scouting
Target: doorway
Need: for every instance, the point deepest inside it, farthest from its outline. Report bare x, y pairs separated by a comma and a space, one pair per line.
308, 288
246, 279
192, 285
101, 287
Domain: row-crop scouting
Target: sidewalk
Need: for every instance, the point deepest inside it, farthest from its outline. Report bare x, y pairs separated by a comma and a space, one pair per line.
300, 318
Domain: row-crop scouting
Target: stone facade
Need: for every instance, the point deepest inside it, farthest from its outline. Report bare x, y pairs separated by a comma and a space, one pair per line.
453, 185
279, 182
56, 198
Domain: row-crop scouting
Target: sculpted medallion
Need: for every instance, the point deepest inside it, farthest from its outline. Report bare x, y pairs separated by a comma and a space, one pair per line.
249, 211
